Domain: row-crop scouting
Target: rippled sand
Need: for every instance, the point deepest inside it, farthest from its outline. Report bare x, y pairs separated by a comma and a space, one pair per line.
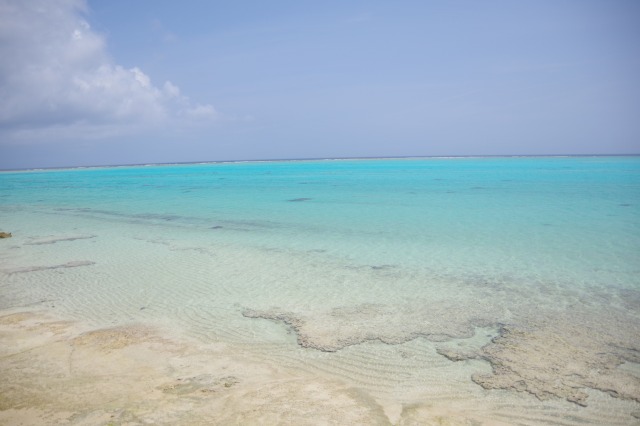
127, 338
54, 372
61, 372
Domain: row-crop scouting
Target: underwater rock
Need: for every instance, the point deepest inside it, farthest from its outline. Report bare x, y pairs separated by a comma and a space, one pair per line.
338, 328
299, 199
454, 355
57, 239
204, 383
5, 235
561, 357
559, 354
72, 264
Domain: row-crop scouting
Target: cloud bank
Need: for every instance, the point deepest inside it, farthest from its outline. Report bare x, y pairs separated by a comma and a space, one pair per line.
57, 78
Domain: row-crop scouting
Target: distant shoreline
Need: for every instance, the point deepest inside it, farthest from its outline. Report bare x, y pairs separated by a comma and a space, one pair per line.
290, 160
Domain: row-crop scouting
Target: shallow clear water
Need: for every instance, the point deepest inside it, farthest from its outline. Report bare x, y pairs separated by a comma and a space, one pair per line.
361, 261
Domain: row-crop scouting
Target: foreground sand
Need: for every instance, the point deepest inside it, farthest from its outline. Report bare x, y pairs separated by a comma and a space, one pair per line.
58, 372
54, 372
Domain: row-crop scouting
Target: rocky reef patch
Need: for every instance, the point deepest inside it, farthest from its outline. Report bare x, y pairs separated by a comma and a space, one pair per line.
546, 353
340, 327
71, 264
57, 239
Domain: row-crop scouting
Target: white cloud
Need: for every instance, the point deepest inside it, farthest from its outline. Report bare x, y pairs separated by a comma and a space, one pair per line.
201, 111
171, 90
56, 73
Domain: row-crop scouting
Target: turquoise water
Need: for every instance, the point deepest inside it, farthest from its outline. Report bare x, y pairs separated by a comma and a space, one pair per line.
368, 255
576, 218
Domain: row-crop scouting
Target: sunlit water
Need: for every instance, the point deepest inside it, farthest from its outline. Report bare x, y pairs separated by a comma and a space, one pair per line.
361, 270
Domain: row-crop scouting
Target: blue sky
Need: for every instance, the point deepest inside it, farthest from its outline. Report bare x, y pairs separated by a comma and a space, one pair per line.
120, 82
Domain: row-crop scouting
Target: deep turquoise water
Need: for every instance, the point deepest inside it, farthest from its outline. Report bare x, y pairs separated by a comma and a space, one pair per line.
369, 255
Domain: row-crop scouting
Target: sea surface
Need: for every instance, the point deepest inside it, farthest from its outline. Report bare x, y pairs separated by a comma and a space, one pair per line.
507, 288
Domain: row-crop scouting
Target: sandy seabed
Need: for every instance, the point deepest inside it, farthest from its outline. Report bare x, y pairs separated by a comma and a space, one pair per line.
54, 372
58, 372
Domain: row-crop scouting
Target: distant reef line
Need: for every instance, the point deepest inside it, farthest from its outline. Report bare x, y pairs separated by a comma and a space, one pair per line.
302, 159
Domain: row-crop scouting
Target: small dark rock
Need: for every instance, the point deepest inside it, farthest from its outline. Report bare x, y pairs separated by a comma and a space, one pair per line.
378, 267
5, 235
453, 355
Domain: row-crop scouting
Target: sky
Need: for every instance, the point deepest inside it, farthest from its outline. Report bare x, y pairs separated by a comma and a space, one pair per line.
103, 82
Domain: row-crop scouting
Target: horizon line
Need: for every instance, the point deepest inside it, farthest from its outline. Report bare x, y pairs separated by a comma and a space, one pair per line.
275, 160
